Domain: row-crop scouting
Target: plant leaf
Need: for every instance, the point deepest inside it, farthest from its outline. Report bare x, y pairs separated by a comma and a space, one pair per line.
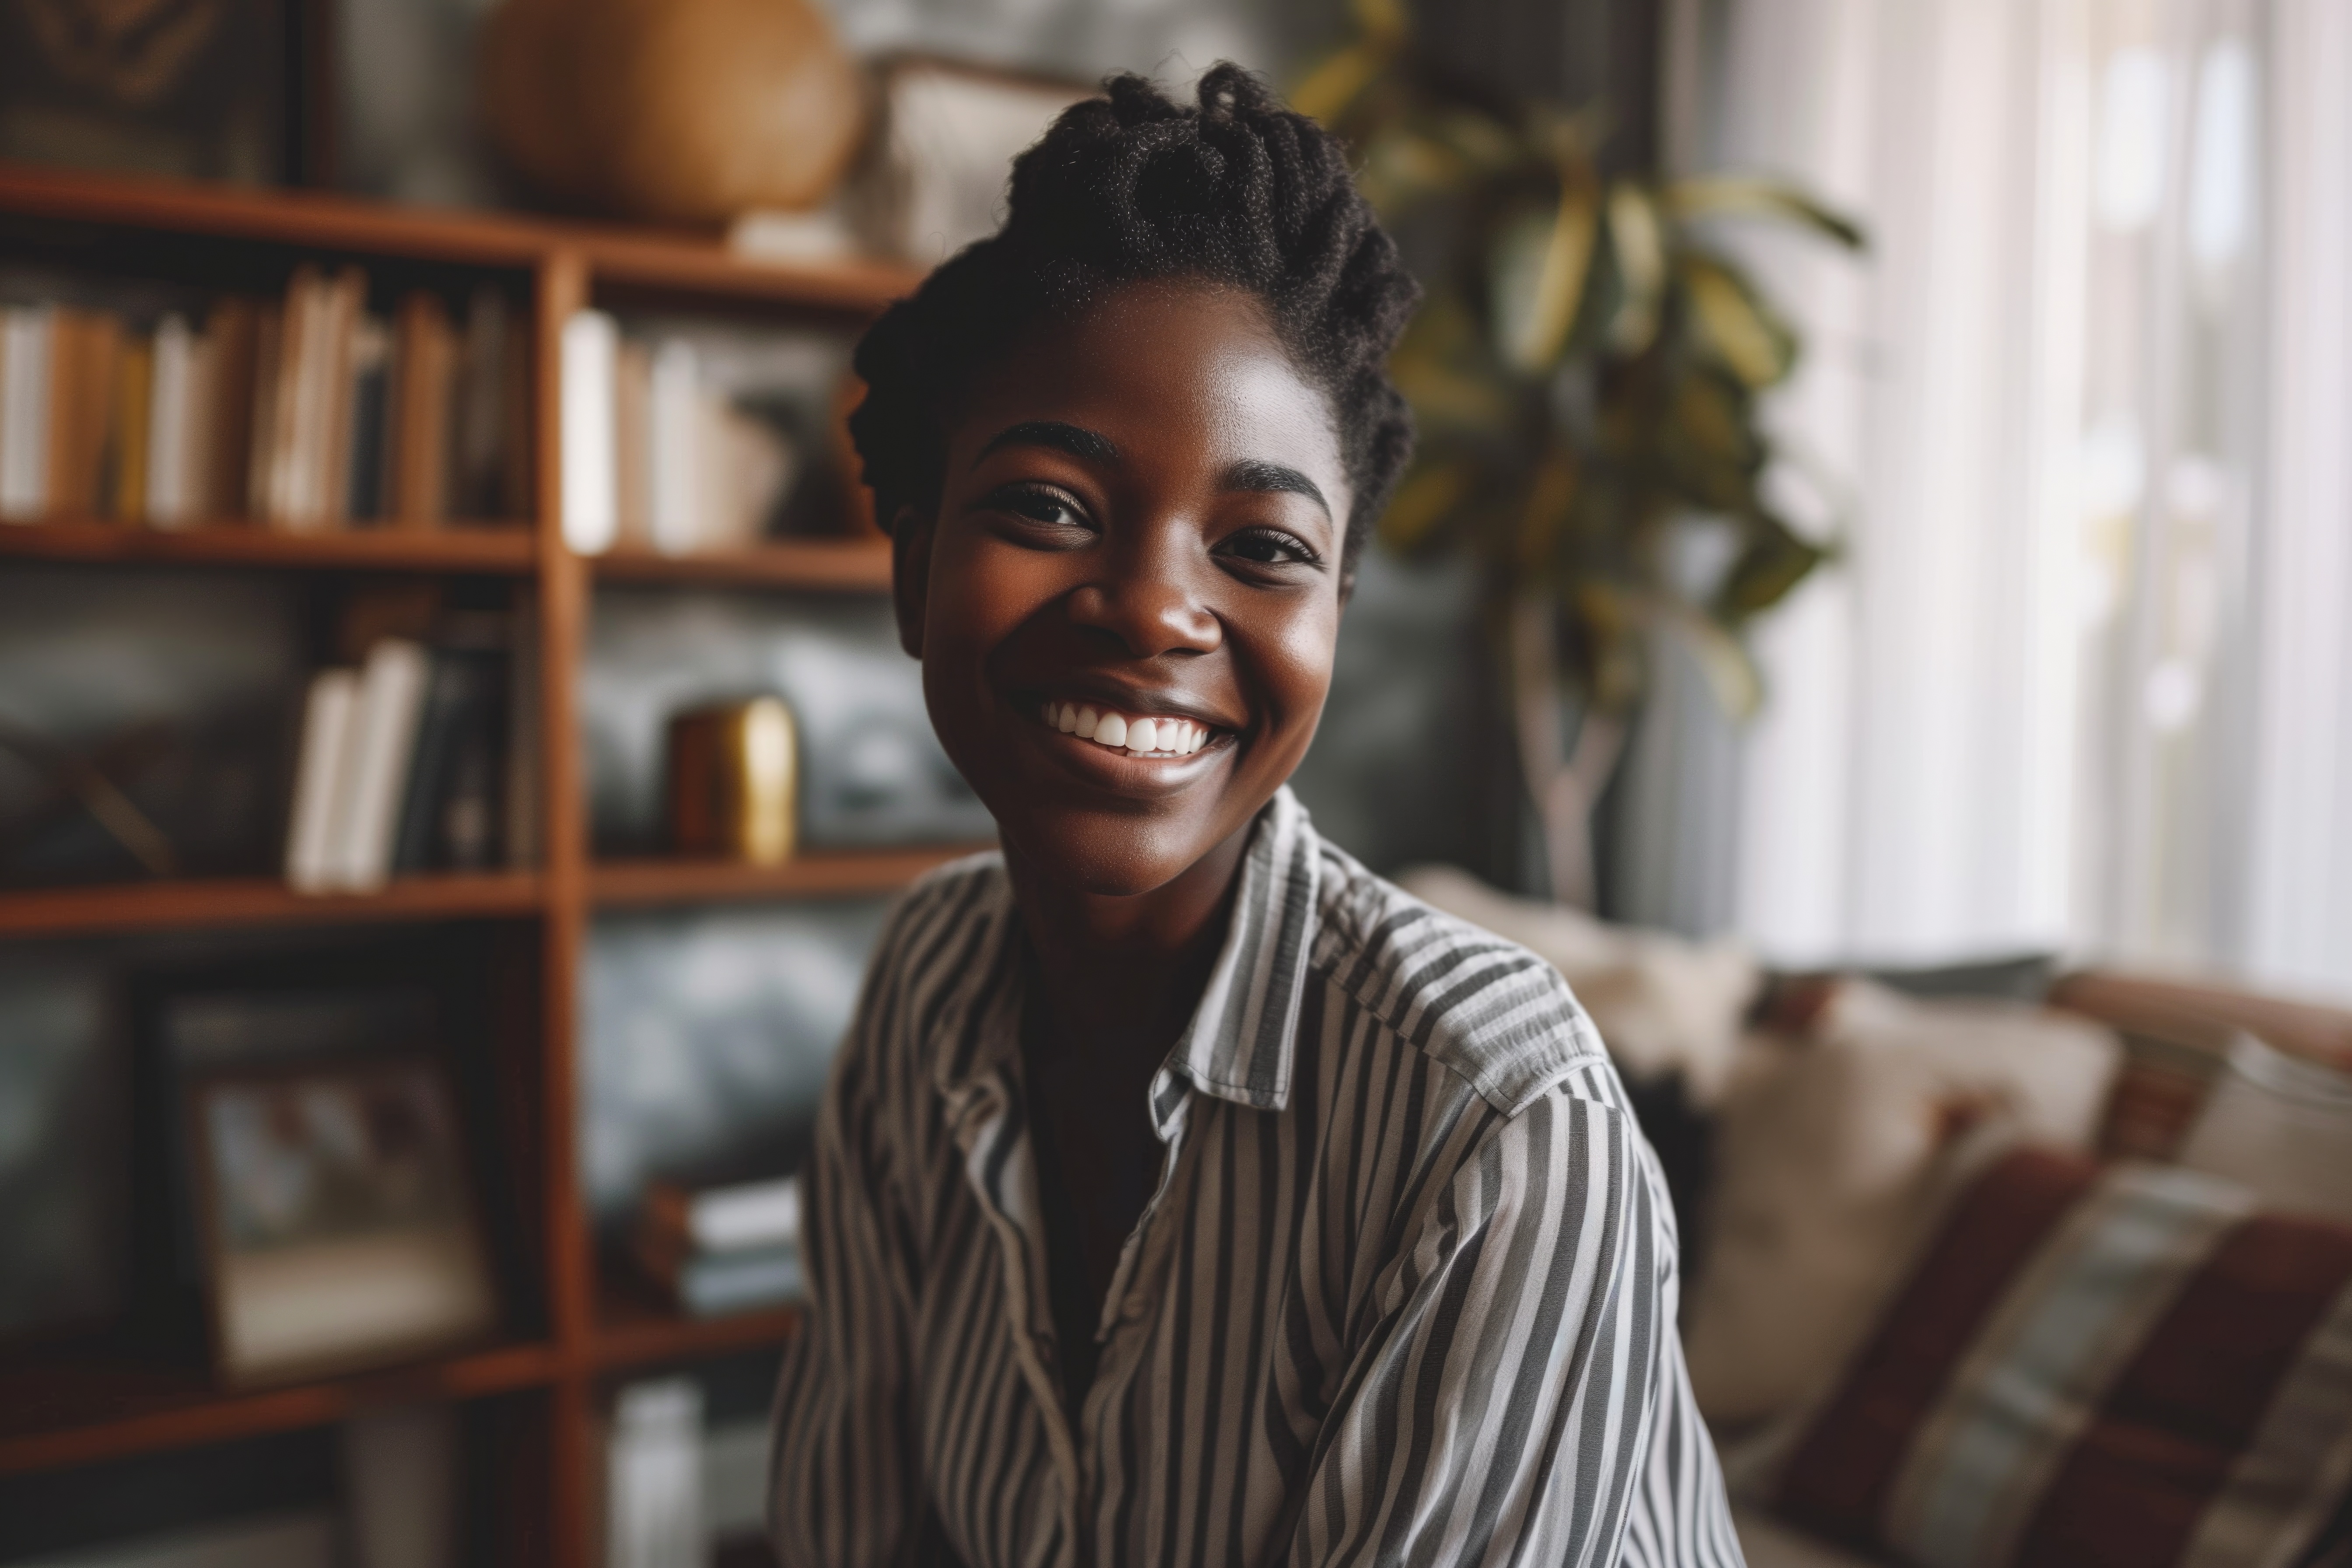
1327, 91
1541, 263
1773, 562
1722, 657
1638, 243
1706, 196
1427, 500
1756, 345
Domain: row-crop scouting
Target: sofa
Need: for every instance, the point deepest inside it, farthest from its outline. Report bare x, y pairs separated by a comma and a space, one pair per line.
1994, 1265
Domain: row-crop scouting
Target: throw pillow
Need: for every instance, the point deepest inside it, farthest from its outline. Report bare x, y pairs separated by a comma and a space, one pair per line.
2281, 1126
1825, 1157
2128, 1366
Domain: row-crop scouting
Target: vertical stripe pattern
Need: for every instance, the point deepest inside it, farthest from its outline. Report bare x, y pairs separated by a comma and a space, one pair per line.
1406, 1294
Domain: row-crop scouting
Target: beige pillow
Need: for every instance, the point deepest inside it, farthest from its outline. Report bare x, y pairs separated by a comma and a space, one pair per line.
1825, 1151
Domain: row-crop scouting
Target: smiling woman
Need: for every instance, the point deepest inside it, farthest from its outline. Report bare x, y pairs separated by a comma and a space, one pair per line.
1185, 1193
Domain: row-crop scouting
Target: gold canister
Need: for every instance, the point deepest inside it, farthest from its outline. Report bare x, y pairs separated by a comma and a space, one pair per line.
734, 781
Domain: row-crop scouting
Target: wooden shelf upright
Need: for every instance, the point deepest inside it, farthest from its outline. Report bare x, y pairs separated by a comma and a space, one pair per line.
87, 1402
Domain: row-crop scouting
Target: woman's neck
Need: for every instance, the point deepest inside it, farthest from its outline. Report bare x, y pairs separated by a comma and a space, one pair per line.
1122, 974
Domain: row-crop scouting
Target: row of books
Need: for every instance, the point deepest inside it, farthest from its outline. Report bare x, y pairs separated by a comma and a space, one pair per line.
309, 412
423, 757
658, 455
721, 1250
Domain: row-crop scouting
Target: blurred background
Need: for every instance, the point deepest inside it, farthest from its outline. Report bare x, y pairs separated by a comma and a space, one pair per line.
1872, 606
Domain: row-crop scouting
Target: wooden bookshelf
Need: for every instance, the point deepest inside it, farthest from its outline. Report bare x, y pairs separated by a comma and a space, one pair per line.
821, 874
196, 904
70, 1406
506, 549
858, 565
79, 1409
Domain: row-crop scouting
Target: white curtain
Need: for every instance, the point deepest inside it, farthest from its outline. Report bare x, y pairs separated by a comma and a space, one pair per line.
2079, 423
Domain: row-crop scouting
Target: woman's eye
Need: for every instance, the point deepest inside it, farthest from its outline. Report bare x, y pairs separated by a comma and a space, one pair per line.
1041, 506
1270, 547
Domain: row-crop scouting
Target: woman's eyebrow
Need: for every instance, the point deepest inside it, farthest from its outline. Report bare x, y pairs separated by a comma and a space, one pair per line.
1075, 439
1257, 474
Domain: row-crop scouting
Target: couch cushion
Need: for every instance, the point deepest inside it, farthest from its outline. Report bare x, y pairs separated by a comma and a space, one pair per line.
1824, 1156
2281, 1126
2127, 1367
1769, 1543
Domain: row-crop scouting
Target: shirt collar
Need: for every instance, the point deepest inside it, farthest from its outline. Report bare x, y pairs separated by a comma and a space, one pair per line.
1241, 1042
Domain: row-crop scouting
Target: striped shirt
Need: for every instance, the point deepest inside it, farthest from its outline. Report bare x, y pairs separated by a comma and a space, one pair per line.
1405, 1292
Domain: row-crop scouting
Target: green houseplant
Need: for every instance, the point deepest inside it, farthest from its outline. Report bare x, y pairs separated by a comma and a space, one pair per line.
1586, 373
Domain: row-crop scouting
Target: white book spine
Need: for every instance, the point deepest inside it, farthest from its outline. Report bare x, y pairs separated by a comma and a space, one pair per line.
654, 1491
382, 737
590, 515
674, 449
170, 501
318, 780
733, 1219
24, 412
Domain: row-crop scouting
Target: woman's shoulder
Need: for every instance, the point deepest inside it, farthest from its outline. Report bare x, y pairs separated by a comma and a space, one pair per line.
1480, 1005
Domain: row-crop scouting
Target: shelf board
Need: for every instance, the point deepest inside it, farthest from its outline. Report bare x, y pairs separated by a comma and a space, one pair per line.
80, 1408
233, 901
687, 260
831, 566
824, 873
634, 1329
489, 548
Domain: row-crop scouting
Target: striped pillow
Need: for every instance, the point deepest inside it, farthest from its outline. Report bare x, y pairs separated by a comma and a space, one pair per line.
2124, 1366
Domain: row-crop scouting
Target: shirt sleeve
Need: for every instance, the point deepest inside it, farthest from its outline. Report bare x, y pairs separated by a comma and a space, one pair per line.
1522, 1397
846, 1487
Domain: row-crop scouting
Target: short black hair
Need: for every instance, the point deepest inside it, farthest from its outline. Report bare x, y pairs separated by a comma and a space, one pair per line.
1130, 187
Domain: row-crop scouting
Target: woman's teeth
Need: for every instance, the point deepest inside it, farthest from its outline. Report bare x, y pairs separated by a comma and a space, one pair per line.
1137, 737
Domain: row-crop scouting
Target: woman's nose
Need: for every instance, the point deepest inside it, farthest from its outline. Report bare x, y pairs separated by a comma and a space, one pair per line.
1149, 606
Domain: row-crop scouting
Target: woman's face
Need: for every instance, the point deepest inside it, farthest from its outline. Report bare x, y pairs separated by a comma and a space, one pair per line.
1138, 536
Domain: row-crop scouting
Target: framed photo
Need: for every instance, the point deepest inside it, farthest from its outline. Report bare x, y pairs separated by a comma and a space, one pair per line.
213, 90
338, 1225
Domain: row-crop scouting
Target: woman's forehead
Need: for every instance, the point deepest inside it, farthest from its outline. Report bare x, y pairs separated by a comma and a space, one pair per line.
1171, 373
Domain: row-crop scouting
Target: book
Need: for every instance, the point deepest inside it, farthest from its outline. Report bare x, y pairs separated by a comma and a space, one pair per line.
25, 335
632, 434
172, 471
222, 430
281, 406
721, 1250
653, 1492
327, 457
449, 808
126, 440
589, 348
313, 827
377, 750
478, 436
261, 425
423, 353
369, 438
523, 779
85, 347
748, 1214
675, 456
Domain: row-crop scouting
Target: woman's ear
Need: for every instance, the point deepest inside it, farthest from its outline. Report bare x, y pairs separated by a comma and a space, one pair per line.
910, 576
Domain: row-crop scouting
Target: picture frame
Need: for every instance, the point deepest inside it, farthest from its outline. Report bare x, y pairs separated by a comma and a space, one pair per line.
336, 1217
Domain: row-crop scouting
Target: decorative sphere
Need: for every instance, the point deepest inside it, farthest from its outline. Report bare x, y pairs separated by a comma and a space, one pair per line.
683, 110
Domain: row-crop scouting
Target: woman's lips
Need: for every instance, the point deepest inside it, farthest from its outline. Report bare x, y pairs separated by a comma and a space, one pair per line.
1135, 734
